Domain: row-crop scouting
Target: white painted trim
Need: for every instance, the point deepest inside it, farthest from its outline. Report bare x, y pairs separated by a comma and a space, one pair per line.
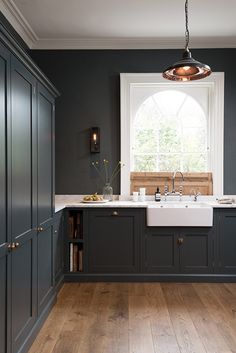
216, 84
18, 22
132, 43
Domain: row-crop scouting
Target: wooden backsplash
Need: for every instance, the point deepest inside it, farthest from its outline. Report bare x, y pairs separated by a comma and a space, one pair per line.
199, 182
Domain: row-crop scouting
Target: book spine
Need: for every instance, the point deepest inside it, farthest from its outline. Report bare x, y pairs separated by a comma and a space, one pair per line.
75, 258
71, 257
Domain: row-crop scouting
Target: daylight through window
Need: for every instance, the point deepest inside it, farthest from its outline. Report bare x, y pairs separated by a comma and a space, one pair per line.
170, 133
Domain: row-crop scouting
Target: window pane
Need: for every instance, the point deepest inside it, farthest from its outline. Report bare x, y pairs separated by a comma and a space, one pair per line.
194, 140
192, 114
169, 162
145, 163
145, 141
194, 163
170, 139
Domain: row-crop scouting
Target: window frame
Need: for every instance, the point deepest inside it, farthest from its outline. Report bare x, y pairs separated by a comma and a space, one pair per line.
215, 85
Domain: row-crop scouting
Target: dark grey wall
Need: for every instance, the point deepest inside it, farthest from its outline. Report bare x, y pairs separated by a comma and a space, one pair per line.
89, 84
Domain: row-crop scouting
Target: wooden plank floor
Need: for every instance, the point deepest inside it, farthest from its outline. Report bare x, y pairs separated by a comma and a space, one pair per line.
141, 318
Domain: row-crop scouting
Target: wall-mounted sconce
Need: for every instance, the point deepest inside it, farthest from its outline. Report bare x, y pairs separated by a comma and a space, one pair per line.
94, 140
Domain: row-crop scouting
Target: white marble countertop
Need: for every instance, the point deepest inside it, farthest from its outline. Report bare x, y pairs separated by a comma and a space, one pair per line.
63, 201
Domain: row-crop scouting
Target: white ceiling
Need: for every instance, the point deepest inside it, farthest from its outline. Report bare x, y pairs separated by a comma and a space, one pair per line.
70, 24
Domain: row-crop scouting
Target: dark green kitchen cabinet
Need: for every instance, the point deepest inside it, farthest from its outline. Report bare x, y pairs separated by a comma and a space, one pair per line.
26, 195
45, 145
4, 233
173, 250
113, 240
196, 247
58, 248
225, 220
23, 202
45, 192
160, 250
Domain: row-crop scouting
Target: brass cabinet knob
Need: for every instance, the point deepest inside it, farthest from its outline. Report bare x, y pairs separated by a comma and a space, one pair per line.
180, 241
115, 213
13, 246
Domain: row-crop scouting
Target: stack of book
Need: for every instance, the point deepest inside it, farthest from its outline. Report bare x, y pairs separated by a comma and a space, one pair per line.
75, 228
76, 258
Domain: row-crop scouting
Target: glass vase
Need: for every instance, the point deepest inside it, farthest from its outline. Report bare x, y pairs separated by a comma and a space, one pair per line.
108, 192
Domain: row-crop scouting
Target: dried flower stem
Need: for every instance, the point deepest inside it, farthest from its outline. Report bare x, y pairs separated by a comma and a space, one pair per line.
98, 171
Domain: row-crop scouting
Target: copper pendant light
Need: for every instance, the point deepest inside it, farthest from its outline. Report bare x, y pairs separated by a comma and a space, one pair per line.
187, 69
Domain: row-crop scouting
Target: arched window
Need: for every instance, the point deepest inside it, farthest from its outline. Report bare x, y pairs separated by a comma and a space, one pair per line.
168, 126
169, 133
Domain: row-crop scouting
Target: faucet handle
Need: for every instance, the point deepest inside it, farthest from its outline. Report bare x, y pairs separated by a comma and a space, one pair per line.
165, 189
195, 194
181, 189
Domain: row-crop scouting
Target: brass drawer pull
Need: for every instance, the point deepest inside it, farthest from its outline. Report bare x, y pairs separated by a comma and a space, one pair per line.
180, 241
115, 213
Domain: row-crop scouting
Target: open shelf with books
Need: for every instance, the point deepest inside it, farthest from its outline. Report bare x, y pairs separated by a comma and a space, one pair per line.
75, 242
75, 221
76, 257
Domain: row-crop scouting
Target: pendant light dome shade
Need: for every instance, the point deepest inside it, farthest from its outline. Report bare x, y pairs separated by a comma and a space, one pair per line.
187, 69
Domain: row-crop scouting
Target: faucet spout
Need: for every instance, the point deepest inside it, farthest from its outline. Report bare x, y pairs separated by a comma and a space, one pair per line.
173, 179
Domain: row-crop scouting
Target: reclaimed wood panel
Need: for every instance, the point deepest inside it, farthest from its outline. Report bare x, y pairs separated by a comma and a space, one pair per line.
198, 182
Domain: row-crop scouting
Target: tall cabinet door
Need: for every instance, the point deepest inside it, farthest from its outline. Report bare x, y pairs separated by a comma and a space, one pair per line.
23, 202
45, 195
4, 237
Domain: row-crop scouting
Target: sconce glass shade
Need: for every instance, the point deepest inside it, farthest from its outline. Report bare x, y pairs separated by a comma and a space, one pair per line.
187, 69
94, 140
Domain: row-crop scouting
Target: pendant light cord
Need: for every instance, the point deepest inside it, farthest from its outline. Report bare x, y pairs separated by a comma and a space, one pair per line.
186, 26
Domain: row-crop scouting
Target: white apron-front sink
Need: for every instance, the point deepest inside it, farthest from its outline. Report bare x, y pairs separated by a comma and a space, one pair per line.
179, 214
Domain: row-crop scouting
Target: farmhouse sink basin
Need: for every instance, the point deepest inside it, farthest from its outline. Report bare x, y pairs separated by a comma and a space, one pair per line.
179, 214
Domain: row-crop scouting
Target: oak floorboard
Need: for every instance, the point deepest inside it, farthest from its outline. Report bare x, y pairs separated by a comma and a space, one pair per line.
226, 326
141, 318
163, 334
185, 331
202, 320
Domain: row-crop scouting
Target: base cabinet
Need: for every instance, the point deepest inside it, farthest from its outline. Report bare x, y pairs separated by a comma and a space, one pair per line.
225, 221
178, 250
161, 251
196, 250
113, 241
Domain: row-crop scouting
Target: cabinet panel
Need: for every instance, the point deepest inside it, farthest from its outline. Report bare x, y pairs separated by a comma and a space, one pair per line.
23, 123
58, 247
23, 202
196, 251
3, 303
227, 241
45, 154
4, 236
113, 241
161, 254
23, 291
45, 267
4, 62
